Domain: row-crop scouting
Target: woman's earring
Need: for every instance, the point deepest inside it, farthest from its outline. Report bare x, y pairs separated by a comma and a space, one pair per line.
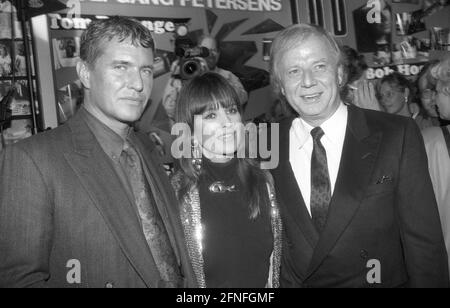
196, 155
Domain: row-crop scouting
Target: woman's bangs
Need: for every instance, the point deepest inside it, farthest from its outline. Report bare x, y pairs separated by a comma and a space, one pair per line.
212, 98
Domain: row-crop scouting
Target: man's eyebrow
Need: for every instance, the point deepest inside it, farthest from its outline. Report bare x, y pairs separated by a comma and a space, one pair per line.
115, 62
150, 66
124, 62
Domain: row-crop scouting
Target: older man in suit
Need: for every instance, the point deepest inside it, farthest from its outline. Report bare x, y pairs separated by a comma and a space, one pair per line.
88, 204
357, 200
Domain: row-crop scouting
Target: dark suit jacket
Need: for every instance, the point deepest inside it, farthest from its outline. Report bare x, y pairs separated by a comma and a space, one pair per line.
61, 200
394, 221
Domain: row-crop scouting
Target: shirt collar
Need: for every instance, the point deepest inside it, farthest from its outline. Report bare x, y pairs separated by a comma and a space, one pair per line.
111, 143
334, 128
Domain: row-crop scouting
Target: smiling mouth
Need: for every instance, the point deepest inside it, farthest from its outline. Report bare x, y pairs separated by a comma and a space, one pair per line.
227, 136
132, 99
312, 98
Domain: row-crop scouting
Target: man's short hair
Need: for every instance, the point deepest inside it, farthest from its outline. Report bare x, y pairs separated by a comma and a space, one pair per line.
115, 28
290, 38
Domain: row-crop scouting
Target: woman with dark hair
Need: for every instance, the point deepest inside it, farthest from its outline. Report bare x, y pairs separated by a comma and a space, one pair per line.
227, 203
396, 96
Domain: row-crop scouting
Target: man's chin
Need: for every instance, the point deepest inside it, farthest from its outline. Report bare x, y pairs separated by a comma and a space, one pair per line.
130, 118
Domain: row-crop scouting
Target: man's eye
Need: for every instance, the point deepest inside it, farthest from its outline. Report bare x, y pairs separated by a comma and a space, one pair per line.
320, 67
120, 67
294, 72
148, 72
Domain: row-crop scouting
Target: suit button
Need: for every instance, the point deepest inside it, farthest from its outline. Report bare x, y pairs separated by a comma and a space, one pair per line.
364, 254
109, 285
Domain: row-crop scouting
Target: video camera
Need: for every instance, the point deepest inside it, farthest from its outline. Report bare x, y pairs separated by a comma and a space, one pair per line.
192, 60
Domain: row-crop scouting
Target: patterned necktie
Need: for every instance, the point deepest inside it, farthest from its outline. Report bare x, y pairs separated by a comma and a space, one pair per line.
152, 224
320, 181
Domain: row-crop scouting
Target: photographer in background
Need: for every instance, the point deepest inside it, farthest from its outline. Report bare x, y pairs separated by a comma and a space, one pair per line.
206, 62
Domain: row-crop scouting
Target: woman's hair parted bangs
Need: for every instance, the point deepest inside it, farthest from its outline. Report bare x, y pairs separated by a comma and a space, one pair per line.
209, 91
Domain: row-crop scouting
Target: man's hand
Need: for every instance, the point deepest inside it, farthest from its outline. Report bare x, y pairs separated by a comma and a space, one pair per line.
175, 68
365, 96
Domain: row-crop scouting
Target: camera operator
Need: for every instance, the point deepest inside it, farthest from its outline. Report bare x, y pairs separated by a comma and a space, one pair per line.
207, 61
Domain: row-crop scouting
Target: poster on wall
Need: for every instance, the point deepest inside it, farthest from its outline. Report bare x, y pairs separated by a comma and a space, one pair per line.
66, 52
373, 35
240, 27
20, 110
408, 23
6, 65
8, 17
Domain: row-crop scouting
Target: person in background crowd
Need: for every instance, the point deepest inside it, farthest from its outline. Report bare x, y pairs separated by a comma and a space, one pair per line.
437, 143
88, 204
174, 85
426, 84
5, 61
227, 203
427, 98
20, 65
347, 181
395, 94
357, 89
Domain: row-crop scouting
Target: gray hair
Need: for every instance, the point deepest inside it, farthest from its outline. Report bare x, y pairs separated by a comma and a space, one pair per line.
291, 37
442, 75
105, 30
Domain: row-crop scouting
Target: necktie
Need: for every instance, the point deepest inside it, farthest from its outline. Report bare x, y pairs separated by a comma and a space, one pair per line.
320, 181
152, 224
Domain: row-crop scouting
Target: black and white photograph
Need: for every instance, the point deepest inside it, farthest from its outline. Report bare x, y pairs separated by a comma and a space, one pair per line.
20, 64
6, 64
227, 151
408, 23
66, 52
6, 10
370, 35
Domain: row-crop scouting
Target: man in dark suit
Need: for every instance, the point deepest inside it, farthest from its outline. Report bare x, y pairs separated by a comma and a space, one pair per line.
88, 204
357, 201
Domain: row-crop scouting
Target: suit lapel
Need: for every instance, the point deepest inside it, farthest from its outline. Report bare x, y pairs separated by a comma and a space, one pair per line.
96, 173
358, 159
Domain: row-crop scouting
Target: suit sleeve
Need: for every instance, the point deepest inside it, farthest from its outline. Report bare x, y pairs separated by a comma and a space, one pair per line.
423, 244
25, 221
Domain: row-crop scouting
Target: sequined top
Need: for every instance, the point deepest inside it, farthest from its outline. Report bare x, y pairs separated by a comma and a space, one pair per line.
195, 232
